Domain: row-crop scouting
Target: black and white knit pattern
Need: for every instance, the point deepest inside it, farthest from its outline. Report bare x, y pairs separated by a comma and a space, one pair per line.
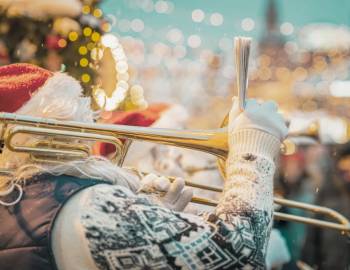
125, 231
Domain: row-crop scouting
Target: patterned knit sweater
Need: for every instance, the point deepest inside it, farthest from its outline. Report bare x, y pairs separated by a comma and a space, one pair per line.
109, 227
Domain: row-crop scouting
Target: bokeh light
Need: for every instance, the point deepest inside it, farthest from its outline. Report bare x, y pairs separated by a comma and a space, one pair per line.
96, 54
194, 41
86, 9
83, 50
216, 19
287, 28
175, 36
198, 15
161, 6
109, 40
180, 51
95, 37
248, 24
121, 66
84, 62
97, 13
87, 31
62, 43
137, 25
85, 78
73, 36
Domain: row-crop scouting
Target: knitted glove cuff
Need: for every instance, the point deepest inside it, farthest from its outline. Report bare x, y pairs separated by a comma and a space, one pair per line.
254, 142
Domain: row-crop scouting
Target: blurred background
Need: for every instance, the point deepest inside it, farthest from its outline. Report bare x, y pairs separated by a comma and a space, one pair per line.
129, 54
182, 52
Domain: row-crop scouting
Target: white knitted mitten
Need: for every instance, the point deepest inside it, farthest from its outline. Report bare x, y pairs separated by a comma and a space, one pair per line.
259, 129
174, 196
257, 116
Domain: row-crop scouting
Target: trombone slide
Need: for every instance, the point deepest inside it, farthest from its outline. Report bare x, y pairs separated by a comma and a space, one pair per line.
343, 224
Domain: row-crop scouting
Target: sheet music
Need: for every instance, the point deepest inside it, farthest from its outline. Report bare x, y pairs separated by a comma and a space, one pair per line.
242, 50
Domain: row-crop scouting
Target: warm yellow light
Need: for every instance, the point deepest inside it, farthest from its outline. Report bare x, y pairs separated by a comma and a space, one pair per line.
90, 46
265, 60
289, 147
97, 13
95, 37
73, 36
62, 43
106, 27
96, 53
282, 73
85, 78
83, 50
319, 63
300, 73
84, 62
87, 31
86, 9
264, 73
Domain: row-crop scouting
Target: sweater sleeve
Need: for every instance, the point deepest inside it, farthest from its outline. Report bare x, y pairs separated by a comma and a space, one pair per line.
116, 229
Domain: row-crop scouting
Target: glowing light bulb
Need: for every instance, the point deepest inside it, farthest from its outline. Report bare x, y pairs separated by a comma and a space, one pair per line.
62, 43
83, 62
73, 36
85, 78
95, 37
87, 31
109, 40
83, 50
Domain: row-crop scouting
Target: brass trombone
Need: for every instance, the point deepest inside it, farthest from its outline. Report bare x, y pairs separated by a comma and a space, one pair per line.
211, 141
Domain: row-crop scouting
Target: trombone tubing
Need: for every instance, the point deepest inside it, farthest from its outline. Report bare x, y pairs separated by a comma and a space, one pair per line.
343, 225
210, 141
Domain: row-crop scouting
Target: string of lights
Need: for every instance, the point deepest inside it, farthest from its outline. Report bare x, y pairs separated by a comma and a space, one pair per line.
91, 54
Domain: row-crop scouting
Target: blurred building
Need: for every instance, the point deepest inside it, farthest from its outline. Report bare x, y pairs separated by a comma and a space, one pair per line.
308, 74
273, 76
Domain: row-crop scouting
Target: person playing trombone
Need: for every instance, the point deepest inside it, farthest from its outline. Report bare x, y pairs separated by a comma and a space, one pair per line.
91, 214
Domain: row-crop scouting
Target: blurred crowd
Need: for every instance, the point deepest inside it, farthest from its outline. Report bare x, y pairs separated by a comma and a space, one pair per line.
317, 174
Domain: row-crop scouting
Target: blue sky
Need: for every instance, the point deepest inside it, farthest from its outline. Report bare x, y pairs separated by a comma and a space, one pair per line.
296, 12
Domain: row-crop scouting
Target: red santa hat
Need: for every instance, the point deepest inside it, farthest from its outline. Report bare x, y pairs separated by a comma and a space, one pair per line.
29, 89
143, 118
159, 115
22, 86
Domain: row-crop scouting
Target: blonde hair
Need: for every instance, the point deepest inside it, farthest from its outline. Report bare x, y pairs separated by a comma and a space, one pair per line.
60, 98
